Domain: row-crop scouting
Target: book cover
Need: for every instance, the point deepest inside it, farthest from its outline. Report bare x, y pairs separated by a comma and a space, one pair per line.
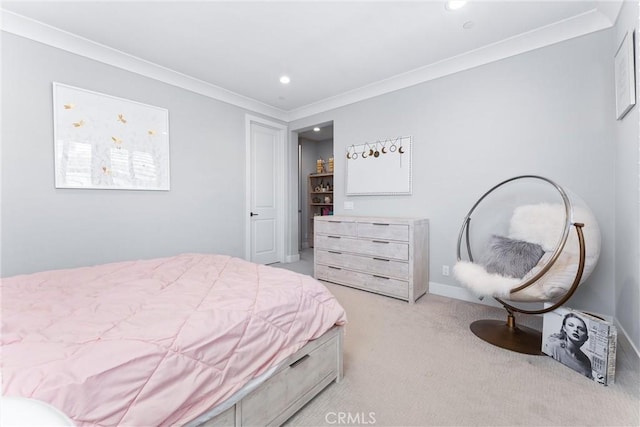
581, 341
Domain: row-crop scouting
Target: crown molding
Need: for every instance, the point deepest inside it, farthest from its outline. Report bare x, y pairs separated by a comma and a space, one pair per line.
22, 26
579, 25
600, 18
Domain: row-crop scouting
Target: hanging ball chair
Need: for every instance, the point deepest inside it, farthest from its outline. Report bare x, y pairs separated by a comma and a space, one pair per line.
535, 242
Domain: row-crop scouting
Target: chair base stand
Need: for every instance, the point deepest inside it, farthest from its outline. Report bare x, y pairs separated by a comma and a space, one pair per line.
507, 335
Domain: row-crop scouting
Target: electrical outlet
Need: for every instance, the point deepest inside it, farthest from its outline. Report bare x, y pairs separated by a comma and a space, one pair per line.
348, 206
445, 270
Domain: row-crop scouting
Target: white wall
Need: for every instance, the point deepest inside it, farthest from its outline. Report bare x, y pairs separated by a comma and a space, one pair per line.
547, 112
627, 200
44, 227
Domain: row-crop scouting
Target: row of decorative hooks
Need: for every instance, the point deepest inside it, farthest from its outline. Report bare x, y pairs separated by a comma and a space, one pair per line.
375, 149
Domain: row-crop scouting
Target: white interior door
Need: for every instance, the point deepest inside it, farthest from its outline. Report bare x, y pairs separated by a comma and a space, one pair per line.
266, 143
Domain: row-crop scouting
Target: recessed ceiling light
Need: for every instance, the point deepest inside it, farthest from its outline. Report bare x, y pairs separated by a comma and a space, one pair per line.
316, 129
455, 4
284, 80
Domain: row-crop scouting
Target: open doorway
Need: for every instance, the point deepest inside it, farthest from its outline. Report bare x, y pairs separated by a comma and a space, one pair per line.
315, 154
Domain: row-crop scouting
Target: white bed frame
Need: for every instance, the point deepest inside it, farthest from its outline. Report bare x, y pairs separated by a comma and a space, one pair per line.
294, 383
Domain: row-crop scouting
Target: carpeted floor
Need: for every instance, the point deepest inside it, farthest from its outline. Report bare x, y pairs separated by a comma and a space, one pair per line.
420, 365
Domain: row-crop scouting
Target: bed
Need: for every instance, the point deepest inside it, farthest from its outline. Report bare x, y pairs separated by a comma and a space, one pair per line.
195, 339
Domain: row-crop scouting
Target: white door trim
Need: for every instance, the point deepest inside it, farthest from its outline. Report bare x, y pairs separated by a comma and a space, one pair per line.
281, 195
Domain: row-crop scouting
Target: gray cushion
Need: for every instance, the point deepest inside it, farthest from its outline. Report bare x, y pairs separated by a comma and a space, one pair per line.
509, 257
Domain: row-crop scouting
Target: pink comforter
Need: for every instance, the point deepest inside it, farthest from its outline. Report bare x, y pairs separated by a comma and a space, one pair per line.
156, 342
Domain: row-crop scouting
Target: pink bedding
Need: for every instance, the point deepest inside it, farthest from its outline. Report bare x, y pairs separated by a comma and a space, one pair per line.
155, 342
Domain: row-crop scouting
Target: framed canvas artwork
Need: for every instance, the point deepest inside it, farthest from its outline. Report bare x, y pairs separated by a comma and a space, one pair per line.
625, 76
105, 142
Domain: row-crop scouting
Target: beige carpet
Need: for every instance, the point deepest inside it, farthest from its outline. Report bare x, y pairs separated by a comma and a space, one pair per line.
420, 365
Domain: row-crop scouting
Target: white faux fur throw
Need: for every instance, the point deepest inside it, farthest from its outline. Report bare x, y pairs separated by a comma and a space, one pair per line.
542, 224
480, 282
549, 287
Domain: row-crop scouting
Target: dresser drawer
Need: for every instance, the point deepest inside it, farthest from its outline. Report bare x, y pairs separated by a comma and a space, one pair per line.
290, 384
373, 264
377, 248
374, 283
382, 230
336, 227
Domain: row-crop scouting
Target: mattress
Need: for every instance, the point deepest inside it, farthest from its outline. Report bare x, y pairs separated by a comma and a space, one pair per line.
154, 342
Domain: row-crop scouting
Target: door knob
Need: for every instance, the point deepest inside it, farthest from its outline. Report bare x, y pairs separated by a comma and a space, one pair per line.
254, 214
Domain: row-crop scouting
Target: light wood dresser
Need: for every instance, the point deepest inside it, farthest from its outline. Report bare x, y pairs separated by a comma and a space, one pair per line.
389, 256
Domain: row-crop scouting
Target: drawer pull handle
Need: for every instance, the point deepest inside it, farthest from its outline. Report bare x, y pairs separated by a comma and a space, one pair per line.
380, 241
333, 237
379, 223
381, 259
380, 277
335, 222
299, 361
334, 268
335, 252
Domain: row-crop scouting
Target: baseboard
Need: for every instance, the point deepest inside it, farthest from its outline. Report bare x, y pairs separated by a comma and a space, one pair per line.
628, 349
456, 292
625, 344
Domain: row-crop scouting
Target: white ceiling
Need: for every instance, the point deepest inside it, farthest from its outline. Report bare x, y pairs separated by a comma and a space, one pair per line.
335, 52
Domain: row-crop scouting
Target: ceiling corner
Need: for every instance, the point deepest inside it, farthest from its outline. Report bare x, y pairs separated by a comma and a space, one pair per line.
610, 10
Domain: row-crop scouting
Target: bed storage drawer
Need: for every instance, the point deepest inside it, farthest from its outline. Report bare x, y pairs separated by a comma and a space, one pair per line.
225, 419
293, 385
297, 380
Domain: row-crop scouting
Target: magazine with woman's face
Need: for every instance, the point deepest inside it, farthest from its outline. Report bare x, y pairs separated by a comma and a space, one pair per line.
579, 341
